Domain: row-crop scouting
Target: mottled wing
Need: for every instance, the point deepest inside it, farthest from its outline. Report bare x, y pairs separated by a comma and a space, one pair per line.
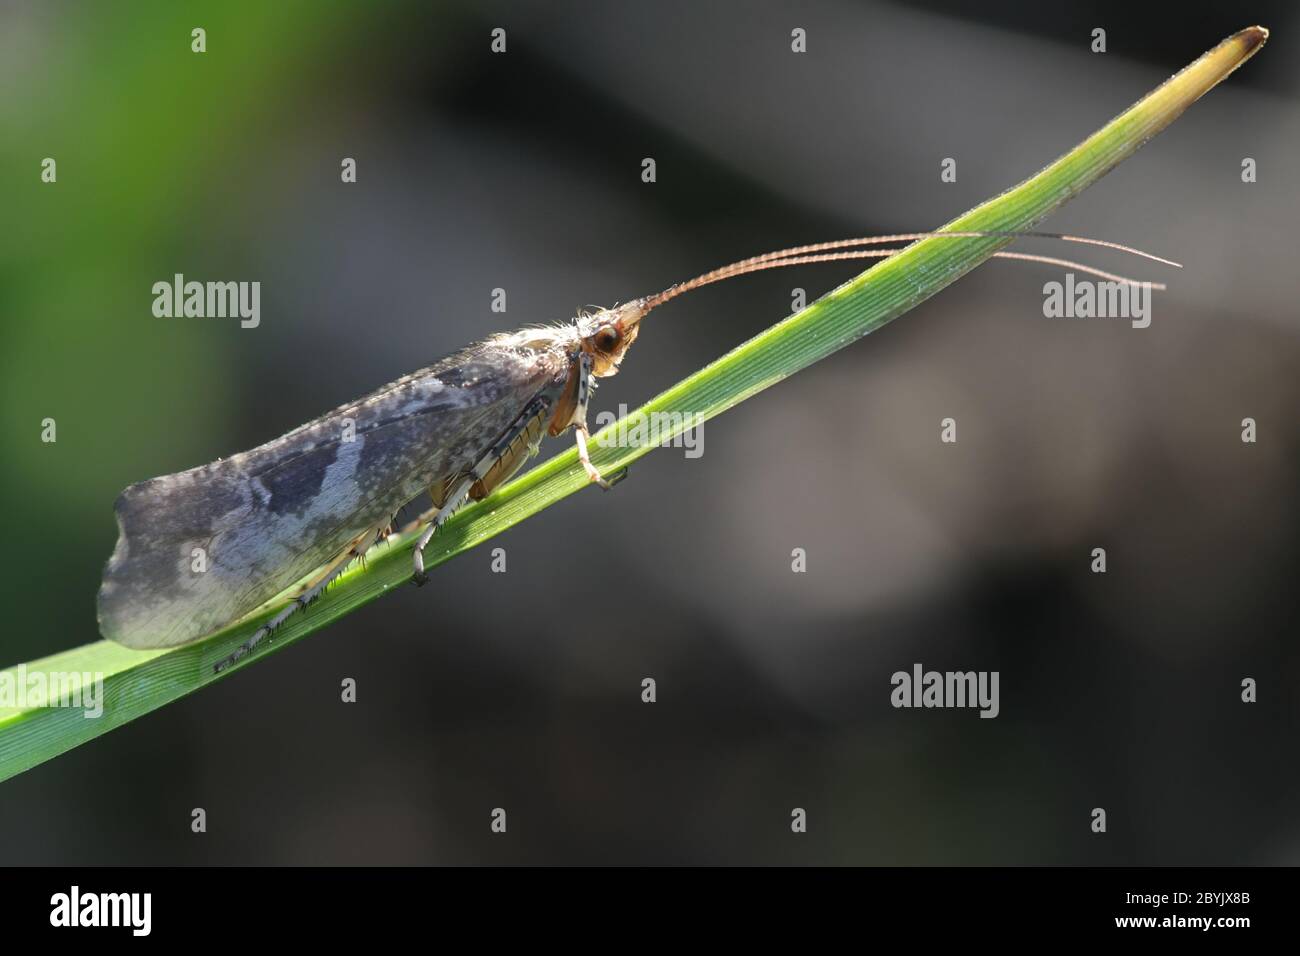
199, 549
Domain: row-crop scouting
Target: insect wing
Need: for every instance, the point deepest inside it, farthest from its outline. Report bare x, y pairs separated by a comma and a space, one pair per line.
199, 549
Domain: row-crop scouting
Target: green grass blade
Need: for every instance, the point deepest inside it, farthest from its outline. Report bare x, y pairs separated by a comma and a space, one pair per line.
136, 682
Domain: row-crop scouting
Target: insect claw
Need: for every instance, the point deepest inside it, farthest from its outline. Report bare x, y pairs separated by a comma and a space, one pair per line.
420, 578
617, 477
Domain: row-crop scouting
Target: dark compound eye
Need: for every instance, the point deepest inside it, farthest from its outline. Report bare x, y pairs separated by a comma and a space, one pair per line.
607, 339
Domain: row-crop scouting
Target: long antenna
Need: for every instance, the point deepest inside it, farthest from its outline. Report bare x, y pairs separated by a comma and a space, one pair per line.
821, 252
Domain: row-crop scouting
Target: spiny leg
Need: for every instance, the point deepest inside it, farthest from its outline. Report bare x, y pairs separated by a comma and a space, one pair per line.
482, 478
454, 501
441, 494
308, 593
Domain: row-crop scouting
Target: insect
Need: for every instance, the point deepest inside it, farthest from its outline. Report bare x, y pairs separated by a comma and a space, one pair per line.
200, 549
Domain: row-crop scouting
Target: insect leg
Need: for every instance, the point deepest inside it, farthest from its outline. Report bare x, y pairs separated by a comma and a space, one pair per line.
310, 592
494, 466
580, 431
581, 434
454, 501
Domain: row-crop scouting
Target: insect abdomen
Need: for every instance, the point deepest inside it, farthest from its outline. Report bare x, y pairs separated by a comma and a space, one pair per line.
511, 457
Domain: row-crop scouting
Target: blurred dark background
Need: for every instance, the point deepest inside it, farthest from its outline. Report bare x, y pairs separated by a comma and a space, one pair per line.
522, 171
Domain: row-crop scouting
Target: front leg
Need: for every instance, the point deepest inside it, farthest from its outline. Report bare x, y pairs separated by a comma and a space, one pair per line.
581, 434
